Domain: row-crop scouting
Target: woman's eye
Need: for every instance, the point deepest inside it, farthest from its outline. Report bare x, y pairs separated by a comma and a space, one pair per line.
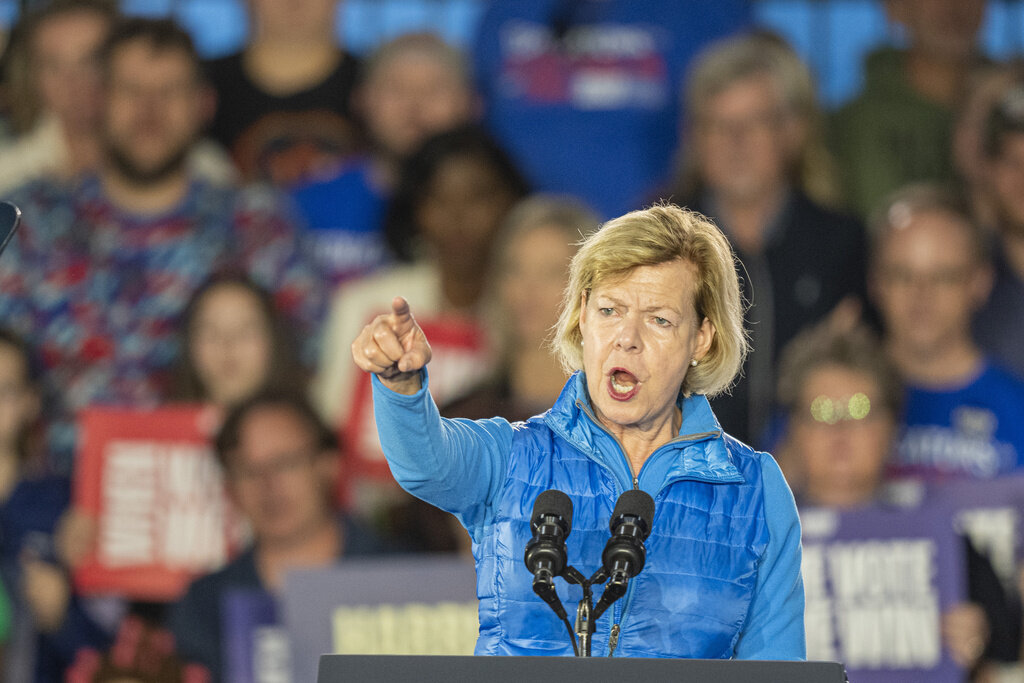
661, 322
606, 311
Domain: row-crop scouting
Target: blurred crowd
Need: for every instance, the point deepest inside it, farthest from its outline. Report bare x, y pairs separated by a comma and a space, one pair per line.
218, 232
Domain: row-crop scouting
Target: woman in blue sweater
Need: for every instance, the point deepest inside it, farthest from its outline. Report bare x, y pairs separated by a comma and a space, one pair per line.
651, 324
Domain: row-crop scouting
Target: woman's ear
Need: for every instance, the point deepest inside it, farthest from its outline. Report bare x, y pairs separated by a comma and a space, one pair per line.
705, 336
583, 309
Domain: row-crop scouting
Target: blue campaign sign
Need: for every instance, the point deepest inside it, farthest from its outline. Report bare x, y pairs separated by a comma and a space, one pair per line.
404, 605
877, 581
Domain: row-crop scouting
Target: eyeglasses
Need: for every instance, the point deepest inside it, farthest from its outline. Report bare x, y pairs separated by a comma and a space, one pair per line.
759, 123
286, 463
831, 410
939, 278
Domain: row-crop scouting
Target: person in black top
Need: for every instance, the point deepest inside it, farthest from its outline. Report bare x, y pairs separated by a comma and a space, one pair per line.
756, 165
284, 102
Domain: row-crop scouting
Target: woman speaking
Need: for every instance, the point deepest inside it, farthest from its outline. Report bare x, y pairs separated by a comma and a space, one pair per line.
650, 325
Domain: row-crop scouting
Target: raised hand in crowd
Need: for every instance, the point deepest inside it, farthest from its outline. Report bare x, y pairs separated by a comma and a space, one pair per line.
47, 592
965, 632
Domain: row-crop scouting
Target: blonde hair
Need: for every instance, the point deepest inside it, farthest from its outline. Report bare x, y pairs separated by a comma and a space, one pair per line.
732, 60
563, 213
662, 234
425, 45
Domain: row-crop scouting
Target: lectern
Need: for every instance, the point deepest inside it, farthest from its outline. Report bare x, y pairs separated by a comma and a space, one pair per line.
443, 669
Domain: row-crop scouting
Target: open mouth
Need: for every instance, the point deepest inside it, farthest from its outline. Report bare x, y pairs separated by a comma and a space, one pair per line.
622, 384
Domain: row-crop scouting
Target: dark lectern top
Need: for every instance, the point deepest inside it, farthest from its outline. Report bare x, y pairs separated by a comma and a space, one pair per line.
443, 669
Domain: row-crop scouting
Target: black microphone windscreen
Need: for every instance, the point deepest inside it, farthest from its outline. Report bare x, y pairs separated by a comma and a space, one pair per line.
554, 502
636, 503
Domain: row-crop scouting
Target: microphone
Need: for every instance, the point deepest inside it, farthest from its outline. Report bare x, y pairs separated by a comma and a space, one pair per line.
545, 554
624, 554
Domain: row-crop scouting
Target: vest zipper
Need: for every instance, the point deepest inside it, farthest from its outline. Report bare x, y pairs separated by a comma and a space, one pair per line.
619, 611
613, 639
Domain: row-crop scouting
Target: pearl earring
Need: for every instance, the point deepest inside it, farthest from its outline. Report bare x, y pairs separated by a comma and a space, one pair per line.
693, 363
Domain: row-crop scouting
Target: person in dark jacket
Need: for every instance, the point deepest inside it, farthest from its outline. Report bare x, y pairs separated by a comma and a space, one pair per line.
280, 463
756, 164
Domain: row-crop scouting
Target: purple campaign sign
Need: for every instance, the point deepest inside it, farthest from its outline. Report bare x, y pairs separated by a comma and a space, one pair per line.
394, 600
989, 512
255, 645
876, 582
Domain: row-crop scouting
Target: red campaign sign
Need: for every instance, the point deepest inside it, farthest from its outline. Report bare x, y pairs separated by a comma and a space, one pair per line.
153, 485
460, 360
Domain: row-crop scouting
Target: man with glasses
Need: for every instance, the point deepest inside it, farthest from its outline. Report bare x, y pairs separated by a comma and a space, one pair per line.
100, 273
280, 464
930, 272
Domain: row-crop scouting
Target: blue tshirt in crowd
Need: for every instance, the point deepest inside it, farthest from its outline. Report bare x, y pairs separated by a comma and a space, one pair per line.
976, 429
343, 215
585, 94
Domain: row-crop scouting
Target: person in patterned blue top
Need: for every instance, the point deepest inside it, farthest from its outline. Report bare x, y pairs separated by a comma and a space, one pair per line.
99, 275
930, 273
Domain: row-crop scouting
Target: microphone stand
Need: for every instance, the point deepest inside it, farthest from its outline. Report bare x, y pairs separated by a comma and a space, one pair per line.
586, 615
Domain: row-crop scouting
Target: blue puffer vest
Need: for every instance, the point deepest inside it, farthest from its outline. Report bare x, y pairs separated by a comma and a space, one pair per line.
709, 533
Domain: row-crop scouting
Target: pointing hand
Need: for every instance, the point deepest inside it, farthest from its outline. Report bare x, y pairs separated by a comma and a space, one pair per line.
394, 348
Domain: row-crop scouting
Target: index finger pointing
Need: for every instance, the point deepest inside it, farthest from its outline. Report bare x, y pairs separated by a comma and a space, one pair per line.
400, 309
401, 316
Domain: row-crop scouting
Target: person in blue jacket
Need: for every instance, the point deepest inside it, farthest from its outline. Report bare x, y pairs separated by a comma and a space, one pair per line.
651, 324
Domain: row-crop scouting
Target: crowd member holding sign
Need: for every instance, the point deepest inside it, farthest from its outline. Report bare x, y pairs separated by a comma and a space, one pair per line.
280, 464
651, 324
843, 400
49, 621
930, 273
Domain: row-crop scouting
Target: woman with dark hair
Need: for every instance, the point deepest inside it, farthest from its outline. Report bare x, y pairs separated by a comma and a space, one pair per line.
441, 166
450, 200
234, 342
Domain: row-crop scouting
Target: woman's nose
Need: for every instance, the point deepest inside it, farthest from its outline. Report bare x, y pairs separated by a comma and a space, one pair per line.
628, 337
